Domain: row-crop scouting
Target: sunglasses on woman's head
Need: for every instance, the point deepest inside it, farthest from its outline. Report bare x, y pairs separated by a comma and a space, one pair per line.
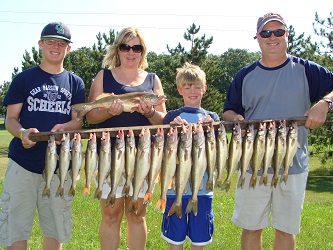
126, 48
268, 33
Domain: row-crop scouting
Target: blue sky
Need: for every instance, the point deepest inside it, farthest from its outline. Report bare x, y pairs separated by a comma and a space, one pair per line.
231, 24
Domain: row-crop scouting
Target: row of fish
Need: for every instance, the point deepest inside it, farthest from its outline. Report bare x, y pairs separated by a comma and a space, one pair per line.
173, 159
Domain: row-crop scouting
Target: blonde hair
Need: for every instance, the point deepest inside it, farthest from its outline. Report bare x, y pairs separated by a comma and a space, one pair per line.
111, 59
190, 74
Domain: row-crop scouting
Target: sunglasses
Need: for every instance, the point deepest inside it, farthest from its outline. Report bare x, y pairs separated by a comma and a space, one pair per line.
268, 33
126, 48
61, 43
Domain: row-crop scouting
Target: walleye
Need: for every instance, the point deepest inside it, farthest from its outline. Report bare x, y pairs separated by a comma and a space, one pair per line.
247, 152
222, 153
104, 164
77, 156
183, 169
64, 161
91, 161
130, 151
211, 156
130, 102
142, 165
117, 166
156, 163
292, 145
258, 153
235, 153
280, 151
51, 159
199, 159
269, 151
168, 166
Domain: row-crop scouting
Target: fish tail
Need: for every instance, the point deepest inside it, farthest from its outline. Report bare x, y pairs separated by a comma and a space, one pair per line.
110, 200
225, 185
60, 192
192, 206
263, 180
86, 191
241, 182
253, 182
209, 185
80, 109
133, 206
176, 208
98, 194
46, 192
71, 191
275, 181
284, 177
161, 204
126, 189
218, 182
148, 198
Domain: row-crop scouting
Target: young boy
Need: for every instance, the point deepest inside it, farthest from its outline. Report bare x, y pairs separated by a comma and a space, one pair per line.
191, 85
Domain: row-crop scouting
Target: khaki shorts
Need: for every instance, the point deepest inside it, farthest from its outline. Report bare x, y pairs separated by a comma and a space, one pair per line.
22, 195
254, 207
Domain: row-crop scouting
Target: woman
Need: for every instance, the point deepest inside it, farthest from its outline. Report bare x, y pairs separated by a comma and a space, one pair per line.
126, 62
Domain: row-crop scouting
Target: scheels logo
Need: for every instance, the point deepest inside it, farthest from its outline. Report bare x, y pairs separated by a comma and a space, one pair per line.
60, 29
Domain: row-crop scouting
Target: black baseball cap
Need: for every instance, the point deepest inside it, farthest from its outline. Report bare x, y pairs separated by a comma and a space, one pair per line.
56, 30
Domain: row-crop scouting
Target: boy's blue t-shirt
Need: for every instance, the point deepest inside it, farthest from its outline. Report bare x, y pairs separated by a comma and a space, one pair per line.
191, 115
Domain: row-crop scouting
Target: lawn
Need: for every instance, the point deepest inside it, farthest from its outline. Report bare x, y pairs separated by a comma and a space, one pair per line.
316, 227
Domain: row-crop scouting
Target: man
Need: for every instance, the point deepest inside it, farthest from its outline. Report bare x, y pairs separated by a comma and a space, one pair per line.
278, 85
39, 100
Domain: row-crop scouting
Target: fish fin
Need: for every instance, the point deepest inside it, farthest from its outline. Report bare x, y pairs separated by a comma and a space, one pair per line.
253, 182
209, 185
226, 185
71, 191
241, 182
86, 191
133, 206
284, 177
98, 194
110, 200
126, 189
80, 109
161, 204
46, 192
60, 192
103, 95
263, 180
192, 206
176, 208
275, 181
148, 198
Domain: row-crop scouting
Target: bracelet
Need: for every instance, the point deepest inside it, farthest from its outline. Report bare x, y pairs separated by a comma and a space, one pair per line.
22, 132
151, 114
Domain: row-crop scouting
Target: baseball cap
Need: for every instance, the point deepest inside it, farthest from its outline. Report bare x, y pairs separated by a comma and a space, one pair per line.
268, 18
56, 30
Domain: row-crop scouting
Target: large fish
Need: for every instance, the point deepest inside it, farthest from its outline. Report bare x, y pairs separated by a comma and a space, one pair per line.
183, 169
91, 160
292, 145
269, 151
117, 166
104, 163
199, 159
258, 153
280, 150
51, 159
168, 166
222, 153
211, 156
156, 164
77, 157
130, 151
130, 102
235, 153
142, 165
64, 161
247, 152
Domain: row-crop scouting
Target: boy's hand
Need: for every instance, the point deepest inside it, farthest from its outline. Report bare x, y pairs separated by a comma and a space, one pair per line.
206, 119
178, 121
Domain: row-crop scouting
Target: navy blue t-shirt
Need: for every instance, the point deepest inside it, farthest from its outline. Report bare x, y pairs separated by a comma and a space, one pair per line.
47, 101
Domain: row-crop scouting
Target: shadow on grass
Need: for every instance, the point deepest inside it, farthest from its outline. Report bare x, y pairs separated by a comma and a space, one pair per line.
320, 184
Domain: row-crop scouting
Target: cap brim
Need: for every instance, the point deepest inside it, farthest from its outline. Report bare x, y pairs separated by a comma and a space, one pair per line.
59, 37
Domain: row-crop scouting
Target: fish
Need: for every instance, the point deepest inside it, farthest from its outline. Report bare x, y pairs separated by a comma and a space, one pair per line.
104, 163
235, 153
91, 161
222, 153
142, 166
247, 152
211, 152
258, 153
168, 168
269, 151
199, 159
280, 151
292, 146
51, 160
77, 158
156, 164
64, 162
130, 151
183, 169
130, 102
117, 166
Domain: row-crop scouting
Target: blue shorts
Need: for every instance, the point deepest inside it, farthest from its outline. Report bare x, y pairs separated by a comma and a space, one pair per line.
199, 229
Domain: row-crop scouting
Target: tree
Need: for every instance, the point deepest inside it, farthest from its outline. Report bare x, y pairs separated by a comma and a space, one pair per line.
325, 30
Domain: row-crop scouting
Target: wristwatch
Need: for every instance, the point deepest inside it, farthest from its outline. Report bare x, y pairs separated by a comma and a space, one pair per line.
330, 103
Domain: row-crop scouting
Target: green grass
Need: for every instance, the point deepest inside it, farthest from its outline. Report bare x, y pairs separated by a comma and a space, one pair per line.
316, 226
